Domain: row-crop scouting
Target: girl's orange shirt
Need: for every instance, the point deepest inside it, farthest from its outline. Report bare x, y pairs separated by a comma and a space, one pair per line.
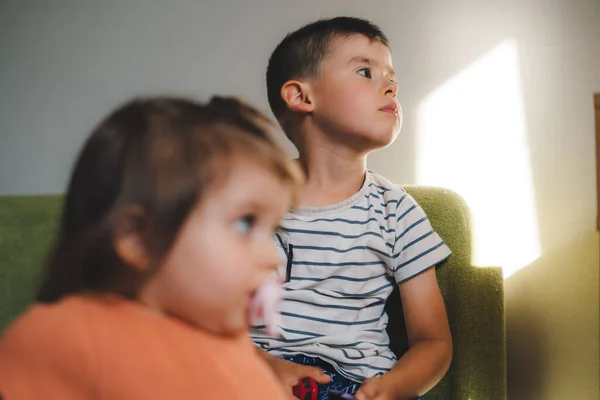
111, 348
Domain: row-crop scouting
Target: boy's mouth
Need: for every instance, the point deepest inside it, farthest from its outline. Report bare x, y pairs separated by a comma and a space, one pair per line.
391, 108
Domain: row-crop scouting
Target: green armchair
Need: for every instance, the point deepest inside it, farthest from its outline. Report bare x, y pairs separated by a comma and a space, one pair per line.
474, 300
473, 296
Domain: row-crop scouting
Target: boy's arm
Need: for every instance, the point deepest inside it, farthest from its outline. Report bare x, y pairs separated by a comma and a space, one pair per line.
430, 344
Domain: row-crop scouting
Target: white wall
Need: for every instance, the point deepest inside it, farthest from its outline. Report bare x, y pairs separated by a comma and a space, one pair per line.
64, 64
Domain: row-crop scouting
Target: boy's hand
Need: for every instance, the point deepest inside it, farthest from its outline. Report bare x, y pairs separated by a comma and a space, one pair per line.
374, 389
290, 373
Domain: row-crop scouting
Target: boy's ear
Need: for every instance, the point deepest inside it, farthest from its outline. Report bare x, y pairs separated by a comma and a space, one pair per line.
130, 233
297, 96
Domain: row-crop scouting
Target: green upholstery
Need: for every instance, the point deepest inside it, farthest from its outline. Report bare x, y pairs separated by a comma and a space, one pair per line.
474, 300
27, 226
473, 296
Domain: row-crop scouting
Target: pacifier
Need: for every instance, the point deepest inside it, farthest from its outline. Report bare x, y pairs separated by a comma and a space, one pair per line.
265, 305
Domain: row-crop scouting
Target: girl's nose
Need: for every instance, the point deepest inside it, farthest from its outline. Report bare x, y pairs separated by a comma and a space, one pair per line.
271, 258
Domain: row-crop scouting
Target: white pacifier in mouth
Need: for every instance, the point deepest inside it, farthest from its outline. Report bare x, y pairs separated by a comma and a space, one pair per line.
265, 305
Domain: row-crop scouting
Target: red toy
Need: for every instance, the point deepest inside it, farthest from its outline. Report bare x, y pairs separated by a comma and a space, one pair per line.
306, 389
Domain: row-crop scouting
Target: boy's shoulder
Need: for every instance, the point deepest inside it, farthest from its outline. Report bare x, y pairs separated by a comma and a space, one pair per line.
388, 198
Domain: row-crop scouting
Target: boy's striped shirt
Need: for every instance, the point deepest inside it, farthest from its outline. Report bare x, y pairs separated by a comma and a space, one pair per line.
343, 261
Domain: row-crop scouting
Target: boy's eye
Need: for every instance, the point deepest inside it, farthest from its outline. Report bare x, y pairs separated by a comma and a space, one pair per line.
366, 72
245, 224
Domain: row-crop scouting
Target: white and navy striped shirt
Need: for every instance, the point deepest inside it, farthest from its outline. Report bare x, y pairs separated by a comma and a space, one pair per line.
342, 263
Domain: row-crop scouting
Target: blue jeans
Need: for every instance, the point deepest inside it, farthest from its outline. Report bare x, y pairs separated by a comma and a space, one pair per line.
338, 382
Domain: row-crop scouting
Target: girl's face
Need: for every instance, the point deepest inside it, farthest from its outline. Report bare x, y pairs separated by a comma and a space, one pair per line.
224, 251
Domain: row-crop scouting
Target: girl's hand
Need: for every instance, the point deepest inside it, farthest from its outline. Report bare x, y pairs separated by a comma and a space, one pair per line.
290, 373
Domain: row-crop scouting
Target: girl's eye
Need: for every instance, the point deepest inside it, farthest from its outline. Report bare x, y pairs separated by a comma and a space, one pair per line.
245, 224
366, 72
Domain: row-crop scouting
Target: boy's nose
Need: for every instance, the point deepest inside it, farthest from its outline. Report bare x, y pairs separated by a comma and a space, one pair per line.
391, 87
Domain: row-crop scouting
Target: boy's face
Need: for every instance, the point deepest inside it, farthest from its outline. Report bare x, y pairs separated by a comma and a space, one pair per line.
224, 251
354, 93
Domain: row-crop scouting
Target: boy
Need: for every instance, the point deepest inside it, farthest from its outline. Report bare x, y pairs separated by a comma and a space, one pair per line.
332, 87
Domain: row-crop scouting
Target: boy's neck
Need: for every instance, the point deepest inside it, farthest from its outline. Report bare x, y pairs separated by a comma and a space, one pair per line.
333, 174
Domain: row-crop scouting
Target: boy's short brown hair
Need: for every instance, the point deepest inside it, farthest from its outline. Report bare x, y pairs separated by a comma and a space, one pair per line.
300, 53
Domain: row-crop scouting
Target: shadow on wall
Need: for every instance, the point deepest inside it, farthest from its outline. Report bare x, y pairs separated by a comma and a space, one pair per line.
525, 358
544, 338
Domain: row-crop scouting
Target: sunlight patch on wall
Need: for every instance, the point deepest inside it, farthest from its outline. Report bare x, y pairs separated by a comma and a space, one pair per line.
472, 138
